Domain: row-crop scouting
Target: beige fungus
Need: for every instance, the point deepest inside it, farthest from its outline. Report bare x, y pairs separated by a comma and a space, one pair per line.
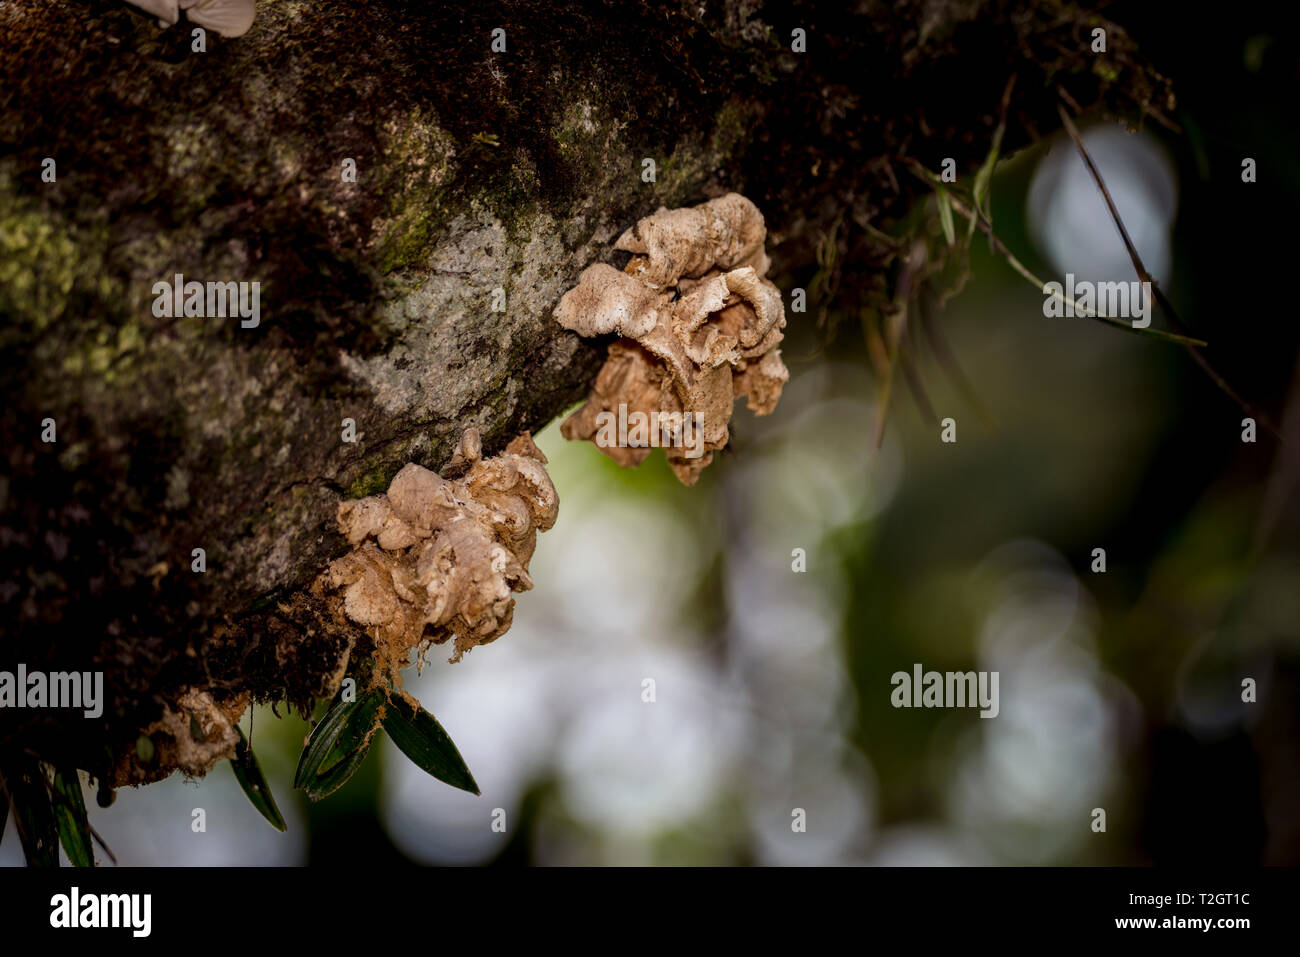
698, 326
439, 556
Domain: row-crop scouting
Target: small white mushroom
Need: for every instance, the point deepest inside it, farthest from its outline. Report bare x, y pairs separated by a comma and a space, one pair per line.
167, 11
230, 18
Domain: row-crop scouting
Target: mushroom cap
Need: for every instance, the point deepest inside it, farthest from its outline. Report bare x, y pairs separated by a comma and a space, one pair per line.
230, 18
723, 233
608, 300
166, 11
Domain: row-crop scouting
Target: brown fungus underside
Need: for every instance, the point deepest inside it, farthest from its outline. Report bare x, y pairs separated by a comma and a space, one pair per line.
438, 557
698, 328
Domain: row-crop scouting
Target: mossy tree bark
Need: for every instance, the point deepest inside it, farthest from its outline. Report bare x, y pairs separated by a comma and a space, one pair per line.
476, 171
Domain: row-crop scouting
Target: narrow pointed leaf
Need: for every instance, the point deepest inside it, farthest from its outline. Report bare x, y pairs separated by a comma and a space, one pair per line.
33, 813
250, 777
421, 738
327, 782
70, 818
945, 216
321, 742
361, 723
980, 191
338, 745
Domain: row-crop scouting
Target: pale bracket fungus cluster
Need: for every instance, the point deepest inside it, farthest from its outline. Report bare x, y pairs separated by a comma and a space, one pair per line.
699, 325
230, 18
438, 556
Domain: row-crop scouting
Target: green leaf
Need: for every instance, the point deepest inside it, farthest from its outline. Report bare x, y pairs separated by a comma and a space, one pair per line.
70, 818
33, 813
344, 734
327, 782
945, 215
422, 739
250, 777
980, 193
321, 741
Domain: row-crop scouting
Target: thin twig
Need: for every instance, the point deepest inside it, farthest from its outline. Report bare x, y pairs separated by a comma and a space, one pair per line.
1070, 128
1082, 310
1160, 118
1145, 277
101, 842
951, 367
914, 384
895, 324
1074, 104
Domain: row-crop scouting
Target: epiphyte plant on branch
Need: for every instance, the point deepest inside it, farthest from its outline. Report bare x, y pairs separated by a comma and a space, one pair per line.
921, 262
702, 327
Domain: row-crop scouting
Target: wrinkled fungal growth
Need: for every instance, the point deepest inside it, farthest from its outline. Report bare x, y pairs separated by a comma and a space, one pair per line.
194, 733
698, 324
438, 556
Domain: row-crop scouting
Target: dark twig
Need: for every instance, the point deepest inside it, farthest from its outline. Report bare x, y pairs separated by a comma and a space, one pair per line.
894, 323
1000, 248
1144, 276
948, 362
914, 384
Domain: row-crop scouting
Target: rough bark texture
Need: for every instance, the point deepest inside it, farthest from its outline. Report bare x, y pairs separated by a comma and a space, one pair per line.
476, 171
